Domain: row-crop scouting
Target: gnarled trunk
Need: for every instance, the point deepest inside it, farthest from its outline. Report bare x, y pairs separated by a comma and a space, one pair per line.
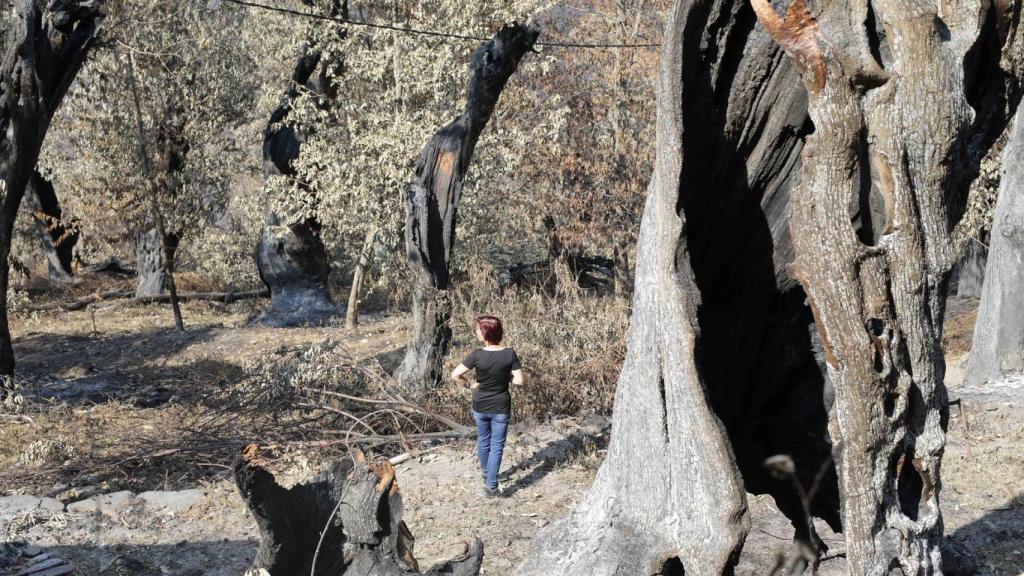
998, 345
45, 47
291, 256
732, 120
57, 239
892, 126
346, 521
432, 201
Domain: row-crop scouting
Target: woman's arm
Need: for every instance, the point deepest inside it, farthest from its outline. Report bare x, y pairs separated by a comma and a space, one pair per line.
517, 377
459, 376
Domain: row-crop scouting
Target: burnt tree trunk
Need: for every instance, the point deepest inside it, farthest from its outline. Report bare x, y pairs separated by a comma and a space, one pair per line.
346, 521
894, 126
56, 236
432, 200
46, 45
151, 261
998, 345
291, 256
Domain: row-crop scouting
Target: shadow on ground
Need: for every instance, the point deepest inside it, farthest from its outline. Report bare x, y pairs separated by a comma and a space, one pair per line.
128, 367
214, 558
592, 435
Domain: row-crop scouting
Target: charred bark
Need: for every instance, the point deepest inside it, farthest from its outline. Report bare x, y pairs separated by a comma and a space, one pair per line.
346, 521
291, 256
590, 272
57, 236
998, 346
45, 47
432, 201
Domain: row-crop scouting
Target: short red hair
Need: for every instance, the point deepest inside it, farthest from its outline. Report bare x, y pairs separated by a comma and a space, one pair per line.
490, 327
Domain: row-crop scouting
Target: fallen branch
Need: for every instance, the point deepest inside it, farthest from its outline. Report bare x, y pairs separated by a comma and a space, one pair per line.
225, 297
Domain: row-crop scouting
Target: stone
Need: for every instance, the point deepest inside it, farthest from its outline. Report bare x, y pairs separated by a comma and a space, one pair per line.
12, 506
78, 493
111, 505
177, 501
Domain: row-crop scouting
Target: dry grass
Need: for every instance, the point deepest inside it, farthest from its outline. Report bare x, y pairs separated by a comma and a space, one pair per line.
571, 343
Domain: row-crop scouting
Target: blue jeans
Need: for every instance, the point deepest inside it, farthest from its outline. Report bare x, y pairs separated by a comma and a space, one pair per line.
490, 444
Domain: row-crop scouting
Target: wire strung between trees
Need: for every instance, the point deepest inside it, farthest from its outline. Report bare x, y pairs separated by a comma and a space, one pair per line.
421, 32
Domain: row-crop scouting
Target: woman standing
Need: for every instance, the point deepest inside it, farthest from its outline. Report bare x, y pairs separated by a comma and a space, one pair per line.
496, 367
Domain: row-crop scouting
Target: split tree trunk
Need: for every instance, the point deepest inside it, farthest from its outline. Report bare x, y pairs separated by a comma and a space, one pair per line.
346, 521
291, 256
432, 201
57, 239
45, 47
352, 312
998, 345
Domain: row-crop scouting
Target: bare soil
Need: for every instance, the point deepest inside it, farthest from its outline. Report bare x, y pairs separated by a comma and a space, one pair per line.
110, 384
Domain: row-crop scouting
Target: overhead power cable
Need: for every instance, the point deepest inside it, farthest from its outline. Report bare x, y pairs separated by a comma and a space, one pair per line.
421, 32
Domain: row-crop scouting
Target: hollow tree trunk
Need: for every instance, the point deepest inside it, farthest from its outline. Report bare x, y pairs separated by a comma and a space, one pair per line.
731, 105
352, 312
346, 521
57, 240
45, 47
291, 256
432, 201
998, 345
878, 298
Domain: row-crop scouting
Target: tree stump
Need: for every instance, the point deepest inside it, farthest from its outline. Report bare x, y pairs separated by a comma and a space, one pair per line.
345, 521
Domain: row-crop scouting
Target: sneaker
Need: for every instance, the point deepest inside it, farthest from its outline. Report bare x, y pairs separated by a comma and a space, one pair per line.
491, 492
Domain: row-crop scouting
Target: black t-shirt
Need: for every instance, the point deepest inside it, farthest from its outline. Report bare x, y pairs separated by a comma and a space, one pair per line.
494, 373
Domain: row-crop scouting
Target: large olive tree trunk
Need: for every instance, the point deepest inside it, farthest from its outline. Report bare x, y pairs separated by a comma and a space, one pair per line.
46, 45
432, 201
732, 118
291, 256
58, 239
892, 122
998, 345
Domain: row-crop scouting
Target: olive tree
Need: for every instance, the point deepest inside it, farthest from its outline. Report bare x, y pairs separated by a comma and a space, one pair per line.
46, 45
790, 283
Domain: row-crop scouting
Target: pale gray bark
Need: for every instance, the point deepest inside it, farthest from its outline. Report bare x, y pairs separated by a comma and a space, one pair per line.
998, 346
352, 312
151, 267
879, 300
57, 238
668, 497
